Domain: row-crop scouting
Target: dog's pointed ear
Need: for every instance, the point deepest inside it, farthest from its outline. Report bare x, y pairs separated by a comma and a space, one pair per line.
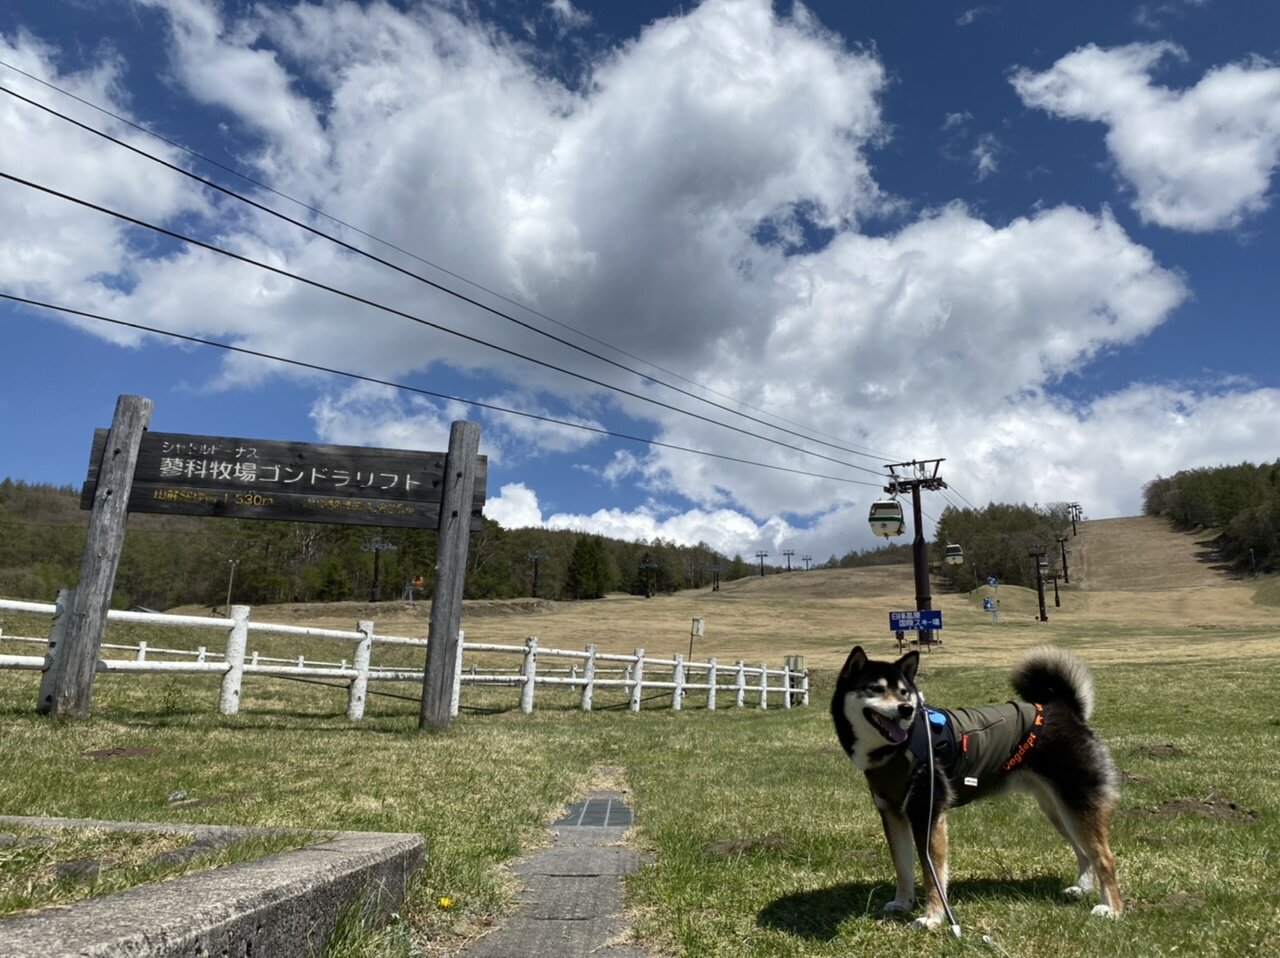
855, 663
908, 664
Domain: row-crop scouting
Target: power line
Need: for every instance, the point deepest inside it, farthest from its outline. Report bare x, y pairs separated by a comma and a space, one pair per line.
492, 407
365, 301
210, 184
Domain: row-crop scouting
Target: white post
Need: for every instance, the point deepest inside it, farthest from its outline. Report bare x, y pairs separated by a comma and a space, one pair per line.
677, 676
804, 688
237, 639
254, 659
711, 681
764, 685
637, 680
455, 697
301, 662
588, 678
201, 651
360, 684
142, 651
740, 680
530, 671
786, 687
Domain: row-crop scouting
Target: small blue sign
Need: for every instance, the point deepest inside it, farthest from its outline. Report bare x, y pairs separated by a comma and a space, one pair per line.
991, 580
988, 605
926, 620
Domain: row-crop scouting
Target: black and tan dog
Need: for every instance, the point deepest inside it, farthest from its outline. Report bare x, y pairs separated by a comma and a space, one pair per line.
1040, 745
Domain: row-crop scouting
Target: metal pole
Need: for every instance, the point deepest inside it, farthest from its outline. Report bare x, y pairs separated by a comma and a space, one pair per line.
920, 561
230, 579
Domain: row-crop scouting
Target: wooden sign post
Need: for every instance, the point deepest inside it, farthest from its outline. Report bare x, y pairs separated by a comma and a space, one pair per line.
451, 564
66, 688
132, 470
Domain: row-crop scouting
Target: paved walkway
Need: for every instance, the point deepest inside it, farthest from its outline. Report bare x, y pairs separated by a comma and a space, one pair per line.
571, 905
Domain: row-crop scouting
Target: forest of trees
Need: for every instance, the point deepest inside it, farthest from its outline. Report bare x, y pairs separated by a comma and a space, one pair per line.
997, 541
172, 560
1241, 502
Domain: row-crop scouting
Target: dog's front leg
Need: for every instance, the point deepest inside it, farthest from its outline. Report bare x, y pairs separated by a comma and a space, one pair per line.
897, 831
931, 841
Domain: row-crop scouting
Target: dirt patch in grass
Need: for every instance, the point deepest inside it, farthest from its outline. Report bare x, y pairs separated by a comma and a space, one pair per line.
734, 847
1161, 751
122, 752
1213, 806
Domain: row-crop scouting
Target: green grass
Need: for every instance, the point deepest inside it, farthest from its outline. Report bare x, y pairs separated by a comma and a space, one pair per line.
763, 837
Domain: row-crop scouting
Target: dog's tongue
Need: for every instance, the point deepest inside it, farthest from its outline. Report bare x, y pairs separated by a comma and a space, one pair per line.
896, 732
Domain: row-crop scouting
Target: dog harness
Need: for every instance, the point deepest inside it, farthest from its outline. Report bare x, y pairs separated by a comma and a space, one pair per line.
975, 748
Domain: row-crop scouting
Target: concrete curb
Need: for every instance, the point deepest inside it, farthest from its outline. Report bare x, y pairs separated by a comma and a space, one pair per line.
283, 905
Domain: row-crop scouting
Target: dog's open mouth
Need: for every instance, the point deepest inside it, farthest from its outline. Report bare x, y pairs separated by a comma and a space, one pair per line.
889, 729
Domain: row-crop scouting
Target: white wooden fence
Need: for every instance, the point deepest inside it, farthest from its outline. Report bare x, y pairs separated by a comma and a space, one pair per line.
672, 678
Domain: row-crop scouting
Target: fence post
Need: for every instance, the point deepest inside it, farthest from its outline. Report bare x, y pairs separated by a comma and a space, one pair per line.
677, 677
237, 639
588, 677
764, 685
637, 680
142, 651
740, 680
201, 652
530, 671
455, 697
360, 659
711, 682
804, 688
786, 687
57, 637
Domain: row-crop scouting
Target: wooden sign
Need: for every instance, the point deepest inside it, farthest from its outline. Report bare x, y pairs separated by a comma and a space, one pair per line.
237, 478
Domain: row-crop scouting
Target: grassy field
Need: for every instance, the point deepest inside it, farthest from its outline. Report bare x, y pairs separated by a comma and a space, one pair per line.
763, 840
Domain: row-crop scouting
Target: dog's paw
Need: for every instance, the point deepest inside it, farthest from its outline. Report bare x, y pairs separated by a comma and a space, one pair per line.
1105, 911
1073, 891
897, 907
928, 922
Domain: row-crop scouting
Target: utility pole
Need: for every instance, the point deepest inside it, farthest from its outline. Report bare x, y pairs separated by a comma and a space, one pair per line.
1057, 602
1039, 556
1075, 515
715, 577
1066, 574
376, 546
762, 556
926, 477
534, 557
648, 566
788, 553
230, 579
806, 560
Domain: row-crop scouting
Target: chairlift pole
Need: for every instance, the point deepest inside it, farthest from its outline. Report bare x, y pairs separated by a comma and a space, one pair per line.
1066, 575
924, 479
1039, 557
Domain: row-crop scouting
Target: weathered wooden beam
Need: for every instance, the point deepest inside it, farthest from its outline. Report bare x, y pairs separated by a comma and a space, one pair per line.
451, 565
68, 692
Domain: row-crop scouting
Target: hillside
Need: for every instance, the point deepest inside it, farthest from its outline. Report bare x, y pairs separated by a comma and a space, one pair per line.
1142, 554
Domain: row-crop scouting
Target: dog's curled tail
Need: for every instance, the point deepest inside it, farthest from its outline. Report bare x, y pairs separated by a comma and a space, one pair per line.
1050, 674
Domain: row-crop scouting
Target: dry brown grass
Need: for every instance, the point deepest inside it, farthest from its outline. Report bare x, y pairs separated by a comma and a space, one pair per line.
1135, 584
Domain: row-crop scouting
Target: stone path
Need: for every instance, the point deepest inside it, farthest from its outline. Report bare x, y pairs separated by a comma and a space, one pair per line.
571, 905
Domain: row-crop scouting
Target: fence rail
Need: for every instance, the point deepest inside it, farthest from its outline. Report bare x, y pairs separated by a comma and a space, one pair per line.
635, 673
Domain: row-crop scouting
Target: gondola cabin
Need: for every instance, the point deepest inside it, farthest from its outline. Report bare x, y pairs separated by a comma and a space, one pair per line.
954, 555
886, 518
1044, 568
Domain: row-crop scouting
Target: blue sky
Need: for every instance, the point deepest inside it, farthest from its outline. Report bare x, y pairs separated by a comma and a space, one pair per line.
1037, 240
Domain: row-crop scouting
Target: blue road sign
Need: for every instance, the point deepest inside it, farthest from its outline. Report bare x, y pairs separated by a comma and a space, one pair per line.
927, 620
988, 605
991, 580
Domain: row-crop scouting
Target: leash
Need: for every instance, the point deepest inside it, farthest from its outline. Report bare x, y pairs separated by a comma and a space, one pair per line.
928, 857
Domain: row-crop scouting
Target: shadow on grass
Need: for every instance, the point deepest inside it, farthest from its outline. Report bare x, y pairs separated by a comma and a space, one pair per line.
818, 914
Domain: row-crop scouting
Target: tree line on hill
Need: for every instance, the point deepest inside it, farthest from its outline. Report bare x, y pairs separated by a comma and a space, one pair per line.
1241, 502
998, 541
169, 561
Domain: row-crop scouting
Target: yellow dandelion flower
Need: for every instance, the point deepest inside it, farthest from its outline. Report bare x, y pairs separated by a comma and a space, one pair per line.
444, 901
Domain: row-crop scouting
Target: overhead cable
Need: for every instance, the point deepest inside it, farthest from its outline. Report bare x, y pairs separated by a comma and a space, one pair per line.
491, 407
210, 184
